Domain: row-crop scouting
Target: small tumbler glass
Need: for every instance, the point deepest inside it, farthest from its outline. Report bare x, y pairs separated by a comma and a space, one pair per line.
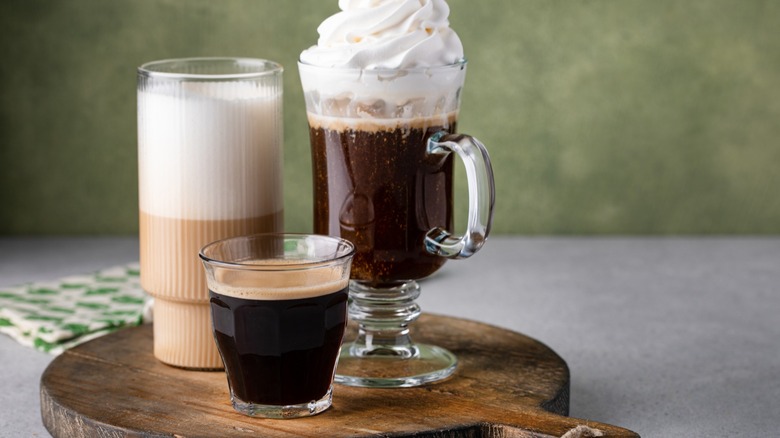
279, 311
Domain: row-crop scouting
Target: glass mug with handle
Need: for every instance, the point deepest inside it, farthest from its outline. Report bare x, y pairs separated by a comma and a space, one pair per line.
382, 152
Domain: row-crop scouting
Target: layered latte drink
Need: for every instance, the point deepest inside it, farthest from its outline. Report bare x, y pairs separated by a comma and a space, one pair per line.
210, 167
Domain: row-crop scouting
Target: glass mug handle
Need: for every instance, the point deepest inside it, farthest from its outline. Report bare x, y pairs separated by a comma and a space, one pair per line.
482, 196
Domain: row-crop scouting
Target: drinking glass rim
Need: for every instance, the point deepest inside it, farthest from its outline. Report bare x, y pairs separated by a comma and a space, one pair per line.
267, 68
459, 64
294, 265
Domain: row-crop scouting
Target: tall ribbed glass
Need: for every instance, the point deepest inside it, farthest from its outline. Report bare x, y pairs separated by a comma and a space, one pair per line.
209, 167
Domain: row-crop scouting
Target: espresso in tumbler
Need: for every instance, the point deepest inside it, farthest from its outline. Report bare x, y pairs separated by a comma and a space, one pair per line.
290, 345
210, 167
279, 310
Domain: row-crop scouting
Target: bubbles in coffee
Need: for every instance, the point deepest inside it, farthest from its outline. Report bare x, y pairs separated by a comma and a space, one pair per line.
375, 185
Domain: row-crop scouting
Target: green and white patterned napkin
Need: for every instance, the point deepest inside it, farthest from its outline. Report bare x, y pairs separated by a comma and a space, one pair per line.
54, 316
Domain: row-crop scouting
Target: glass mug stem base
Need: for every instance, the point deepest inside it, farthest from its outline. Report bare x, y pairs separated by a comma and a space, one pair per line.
313, 407
383, 355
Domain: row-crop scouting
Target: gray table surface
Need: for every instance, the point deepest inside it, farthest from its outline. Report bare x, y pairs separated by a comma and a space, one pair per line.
669, 337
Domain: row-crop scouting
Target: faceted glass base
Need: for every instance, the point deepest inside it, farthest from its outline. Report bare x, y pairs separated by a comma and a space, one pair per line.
313, 407
383, 369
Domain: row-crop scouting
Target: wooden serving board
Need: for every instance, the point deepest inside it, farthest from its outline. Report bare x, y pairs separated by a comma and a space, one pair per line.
506, 385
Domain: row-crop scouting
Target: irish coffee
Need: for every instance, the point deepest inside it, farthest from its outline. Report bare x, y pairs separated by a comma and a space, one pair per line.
290, 346
375, 185
382, 88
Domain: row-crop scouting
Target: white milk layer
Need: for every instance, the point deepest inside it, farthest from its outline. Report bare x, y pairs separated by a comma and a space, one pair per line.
210, 150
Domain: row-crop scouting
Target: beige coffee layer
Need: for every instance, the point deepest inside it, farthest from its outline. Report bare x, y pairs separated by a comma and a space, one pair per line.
183, 336
170, 266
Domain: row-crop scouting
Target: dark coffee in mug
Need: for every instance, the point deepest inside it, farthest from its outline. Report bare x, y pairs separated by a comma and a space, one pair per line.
383, 144
375, 185
289, 341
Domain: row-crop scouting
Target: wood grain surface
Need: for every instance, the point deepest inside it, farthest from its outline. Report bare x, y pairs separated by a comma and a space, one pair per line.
506, 385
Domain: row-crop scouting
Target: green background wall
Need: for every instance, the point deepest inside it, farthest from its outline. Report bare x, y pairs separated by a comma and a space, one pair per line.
616, 117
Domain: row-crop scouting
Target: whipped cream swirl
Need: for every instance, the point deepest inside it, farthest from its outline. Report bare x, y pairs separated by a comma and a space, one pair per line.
386, 34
